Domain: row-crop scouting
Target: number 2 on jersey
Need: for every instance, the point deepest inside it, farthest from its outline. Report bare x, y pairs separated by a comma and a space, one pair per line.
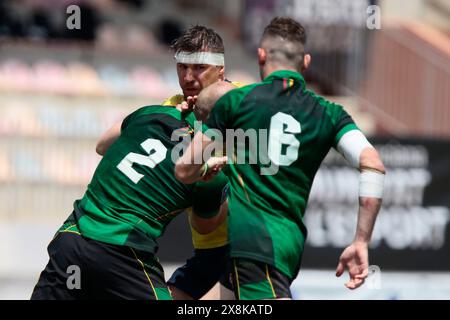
150, 160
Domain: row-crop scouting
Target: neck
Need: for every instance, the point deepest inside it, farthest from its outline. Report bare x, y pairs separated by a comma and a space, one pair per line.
268, 69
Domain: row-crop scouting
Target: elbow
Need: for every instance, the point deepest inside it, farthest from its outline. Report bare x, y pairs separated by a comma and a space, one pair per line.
371, 159
377, 163
100, 149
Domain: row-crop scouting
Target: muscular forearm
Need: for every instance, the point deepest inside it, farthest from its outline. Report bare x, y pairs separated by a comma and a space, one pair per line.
190, 167
371, 193
360, 154
368, 211
188, 173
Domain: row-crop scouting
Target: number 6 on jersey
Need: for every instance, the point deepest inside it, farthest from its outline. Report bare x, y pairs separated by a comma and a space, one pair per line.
282, 129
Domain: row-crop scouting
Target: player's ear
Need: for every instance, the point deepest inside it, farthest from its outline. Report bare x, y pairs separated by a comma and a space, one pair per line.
221, 73
306, 61
262, 56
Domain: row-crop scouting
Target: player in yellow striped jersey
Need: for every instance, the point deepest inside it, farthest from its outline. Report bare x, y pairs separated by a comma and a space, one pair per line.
199, 54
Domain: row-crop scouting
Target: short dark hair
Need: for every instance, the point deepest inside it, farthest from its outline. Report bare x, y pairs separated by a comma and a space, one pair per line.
199, 38
289, 52
287, 28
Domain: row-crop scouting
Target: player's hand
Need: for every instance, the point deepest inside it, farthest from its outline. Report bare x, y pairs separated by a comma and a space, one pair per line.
187, 105
214, 165
355, 258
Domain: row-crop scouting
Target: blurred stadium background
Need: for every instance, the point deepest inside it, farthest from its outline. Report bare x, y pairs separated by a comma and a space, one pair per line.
60, 89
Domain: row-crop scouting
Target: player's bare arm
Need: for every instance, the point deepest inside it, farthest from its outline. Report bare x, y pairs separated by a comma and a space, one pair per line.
194, 165
108, 138
355, 257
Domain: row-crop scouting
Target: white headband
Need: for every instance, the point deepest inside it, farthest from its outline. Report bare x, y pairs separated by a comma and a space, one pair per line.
215, 59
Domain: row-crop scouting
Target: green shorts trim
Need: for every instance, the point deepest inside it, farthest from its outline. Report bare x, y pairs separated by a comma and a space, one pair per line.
254, 280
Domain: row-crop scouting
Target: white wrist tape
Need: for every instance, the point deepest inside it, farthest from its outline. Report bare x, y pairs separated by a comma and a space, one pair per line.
215, 59
371, 184
351, 145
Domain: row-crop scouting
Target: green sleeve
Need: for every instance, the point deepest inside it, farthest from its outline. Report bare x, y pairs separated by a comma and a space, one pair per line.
341, 120
208, 196
344, 130
343, 124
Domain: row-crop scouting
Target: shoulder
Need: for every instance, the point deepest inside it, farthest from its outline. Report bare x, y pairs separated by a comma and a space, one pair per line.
332, 109
322, 101
151, 110
235, 96
174, 100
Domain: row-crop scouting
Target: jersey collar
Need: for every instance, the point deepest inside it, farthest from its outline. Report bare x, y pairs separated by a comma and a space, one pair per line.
286, 74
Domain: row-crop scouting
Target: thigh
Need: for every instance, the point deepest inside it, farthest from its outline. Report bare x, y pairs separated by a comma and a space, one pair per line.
120, 272
61, 279
254, 280
201, 272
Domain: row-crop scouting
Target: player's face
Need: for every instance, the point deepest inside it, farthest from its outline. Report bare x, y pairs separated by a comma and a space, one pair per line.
194, 77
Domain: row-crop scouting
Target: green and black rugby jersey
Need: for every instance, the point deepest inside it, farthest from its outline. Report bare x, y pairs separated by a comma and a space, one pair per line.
294, 130
134, 194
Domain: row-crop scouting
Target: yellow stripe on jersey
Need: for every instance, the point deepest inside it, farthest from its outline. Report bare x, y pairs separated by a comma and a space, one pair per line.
291, 82
214, 239
173, 101
237, 84
179, 98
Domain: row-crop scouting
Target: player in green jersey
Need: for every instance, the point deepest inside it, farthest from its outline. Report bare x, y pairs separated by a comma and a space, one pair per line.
200, 61
271, 176
199, 56
106, 248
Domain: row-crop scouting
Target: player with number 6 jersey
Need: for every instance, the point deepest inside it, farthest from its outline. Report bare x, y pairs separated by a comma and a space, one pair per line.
271, 178
298, 139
